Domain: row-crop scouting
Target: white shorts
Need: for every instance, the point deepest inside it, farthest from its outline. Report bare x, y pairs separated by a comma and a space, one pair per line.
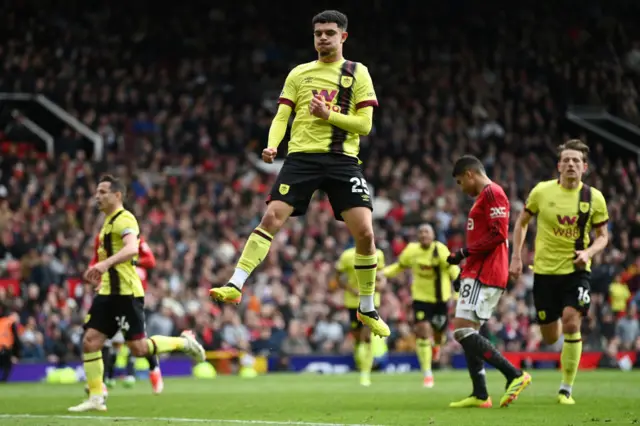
118, 338
476, 302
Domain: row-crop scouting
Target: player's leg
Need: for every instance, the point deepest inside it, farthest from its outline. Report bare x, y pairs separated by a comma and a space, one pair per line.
356, 328
424, 333
366, 355
289, 196
100, 325
130, 378
5, 365
577, 300
109, 358
360, 223
132, 309
439, 323
351, 202
548, 306
475, 305
155, 375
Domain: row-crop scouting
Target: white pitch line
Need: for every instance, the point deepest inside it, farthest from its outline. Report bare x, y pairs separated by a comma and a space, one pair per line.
175, 419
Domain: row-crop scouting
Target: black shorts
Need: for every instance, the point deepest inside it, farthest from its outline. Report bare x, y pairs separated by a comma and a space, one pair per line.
353, 319
108, 314
434, 313
553, 293
337, 175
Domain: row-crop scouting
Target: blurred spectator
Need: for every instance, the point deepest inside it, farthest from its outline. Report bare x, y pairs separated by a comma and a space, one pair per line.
628, 328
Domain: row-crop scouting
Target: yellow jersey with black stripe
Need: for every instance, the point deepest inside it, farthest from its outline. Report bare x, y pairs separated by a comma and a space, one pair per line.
346, 87
346, 265
121, 279
556, 209
432, 275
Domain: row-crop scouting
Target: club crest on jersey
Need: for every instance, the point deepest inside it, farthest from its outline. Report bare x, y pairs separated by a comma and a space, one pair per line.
284, 189
584, 207
346, 81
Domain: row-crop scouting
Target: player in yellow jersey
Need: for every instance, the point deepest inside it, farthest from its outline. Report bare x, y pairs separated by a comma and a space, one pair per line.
119, 304
333, 100
431, 292
566, 210
363, 352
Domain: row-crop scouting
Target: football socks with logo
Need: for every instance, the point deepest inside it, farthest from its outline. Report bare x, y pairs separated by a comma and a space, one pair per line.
424, 353
94, 371
570, 359
477, 345
254, 252
366, 268
475, 365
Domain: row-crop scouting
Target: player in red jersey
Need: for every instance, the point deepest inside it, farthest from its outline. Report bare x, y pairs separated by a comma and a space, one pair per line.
146, 260
483, 279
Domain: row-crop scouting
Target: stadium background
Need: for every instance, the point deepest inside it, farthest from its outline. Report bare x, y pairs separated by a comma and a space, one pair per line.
178, 100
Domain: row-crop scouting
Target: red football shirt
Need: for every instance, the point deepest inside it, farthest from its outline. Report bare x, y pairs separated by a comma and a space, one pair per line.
487, 238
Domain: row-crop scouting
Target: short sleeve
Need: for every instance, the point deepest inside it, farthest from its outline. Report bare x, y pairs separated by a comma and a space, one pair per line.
126, 224
532, 206
364, 92
600, 214
381, 263
289, 94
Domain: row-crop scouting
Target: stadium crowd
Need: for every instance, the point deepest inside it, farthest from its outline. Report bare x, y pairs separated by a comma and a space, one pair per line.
184, 107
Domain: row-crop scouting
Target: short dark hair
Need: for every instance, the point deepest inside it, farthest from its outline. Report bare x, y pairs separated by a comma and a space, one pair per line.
468, 162
116, 185
331, 16
576, 145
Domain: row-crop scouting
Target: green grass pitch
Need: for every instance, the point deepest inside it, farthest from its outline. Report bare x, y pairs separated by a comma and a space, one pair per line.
603, 397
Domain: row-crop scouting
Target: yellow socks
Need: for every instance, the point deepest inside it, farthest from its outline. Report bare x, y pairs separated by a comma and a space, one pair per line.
366, 358
423, 350
94, 371
570, 359
366, 267
254, 252
163, 344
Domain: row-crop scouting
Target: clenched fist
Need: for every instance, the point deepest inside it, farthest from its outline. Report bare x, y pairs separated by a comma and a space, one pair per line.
269, 154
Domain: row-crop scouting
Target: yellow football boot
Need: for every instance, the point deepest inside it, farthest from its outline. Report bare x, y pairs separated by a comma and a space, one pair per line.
227, 294
472, 402
515, 387
374, 322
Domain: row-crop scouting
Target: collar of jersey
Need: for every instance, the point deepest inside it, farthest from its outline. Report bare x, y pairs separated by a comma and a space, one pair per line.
578, 188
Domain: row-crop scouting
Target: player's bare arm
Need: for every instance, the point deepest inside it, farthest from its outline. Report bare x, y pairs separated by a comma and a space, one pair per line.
519, 236
600, 243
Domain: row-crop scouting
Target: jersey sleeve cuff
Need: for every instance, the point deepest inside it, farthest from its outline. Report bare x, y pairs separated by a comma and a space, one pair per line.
528, 210
599, 224
287, 102
127, 231
368, 103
